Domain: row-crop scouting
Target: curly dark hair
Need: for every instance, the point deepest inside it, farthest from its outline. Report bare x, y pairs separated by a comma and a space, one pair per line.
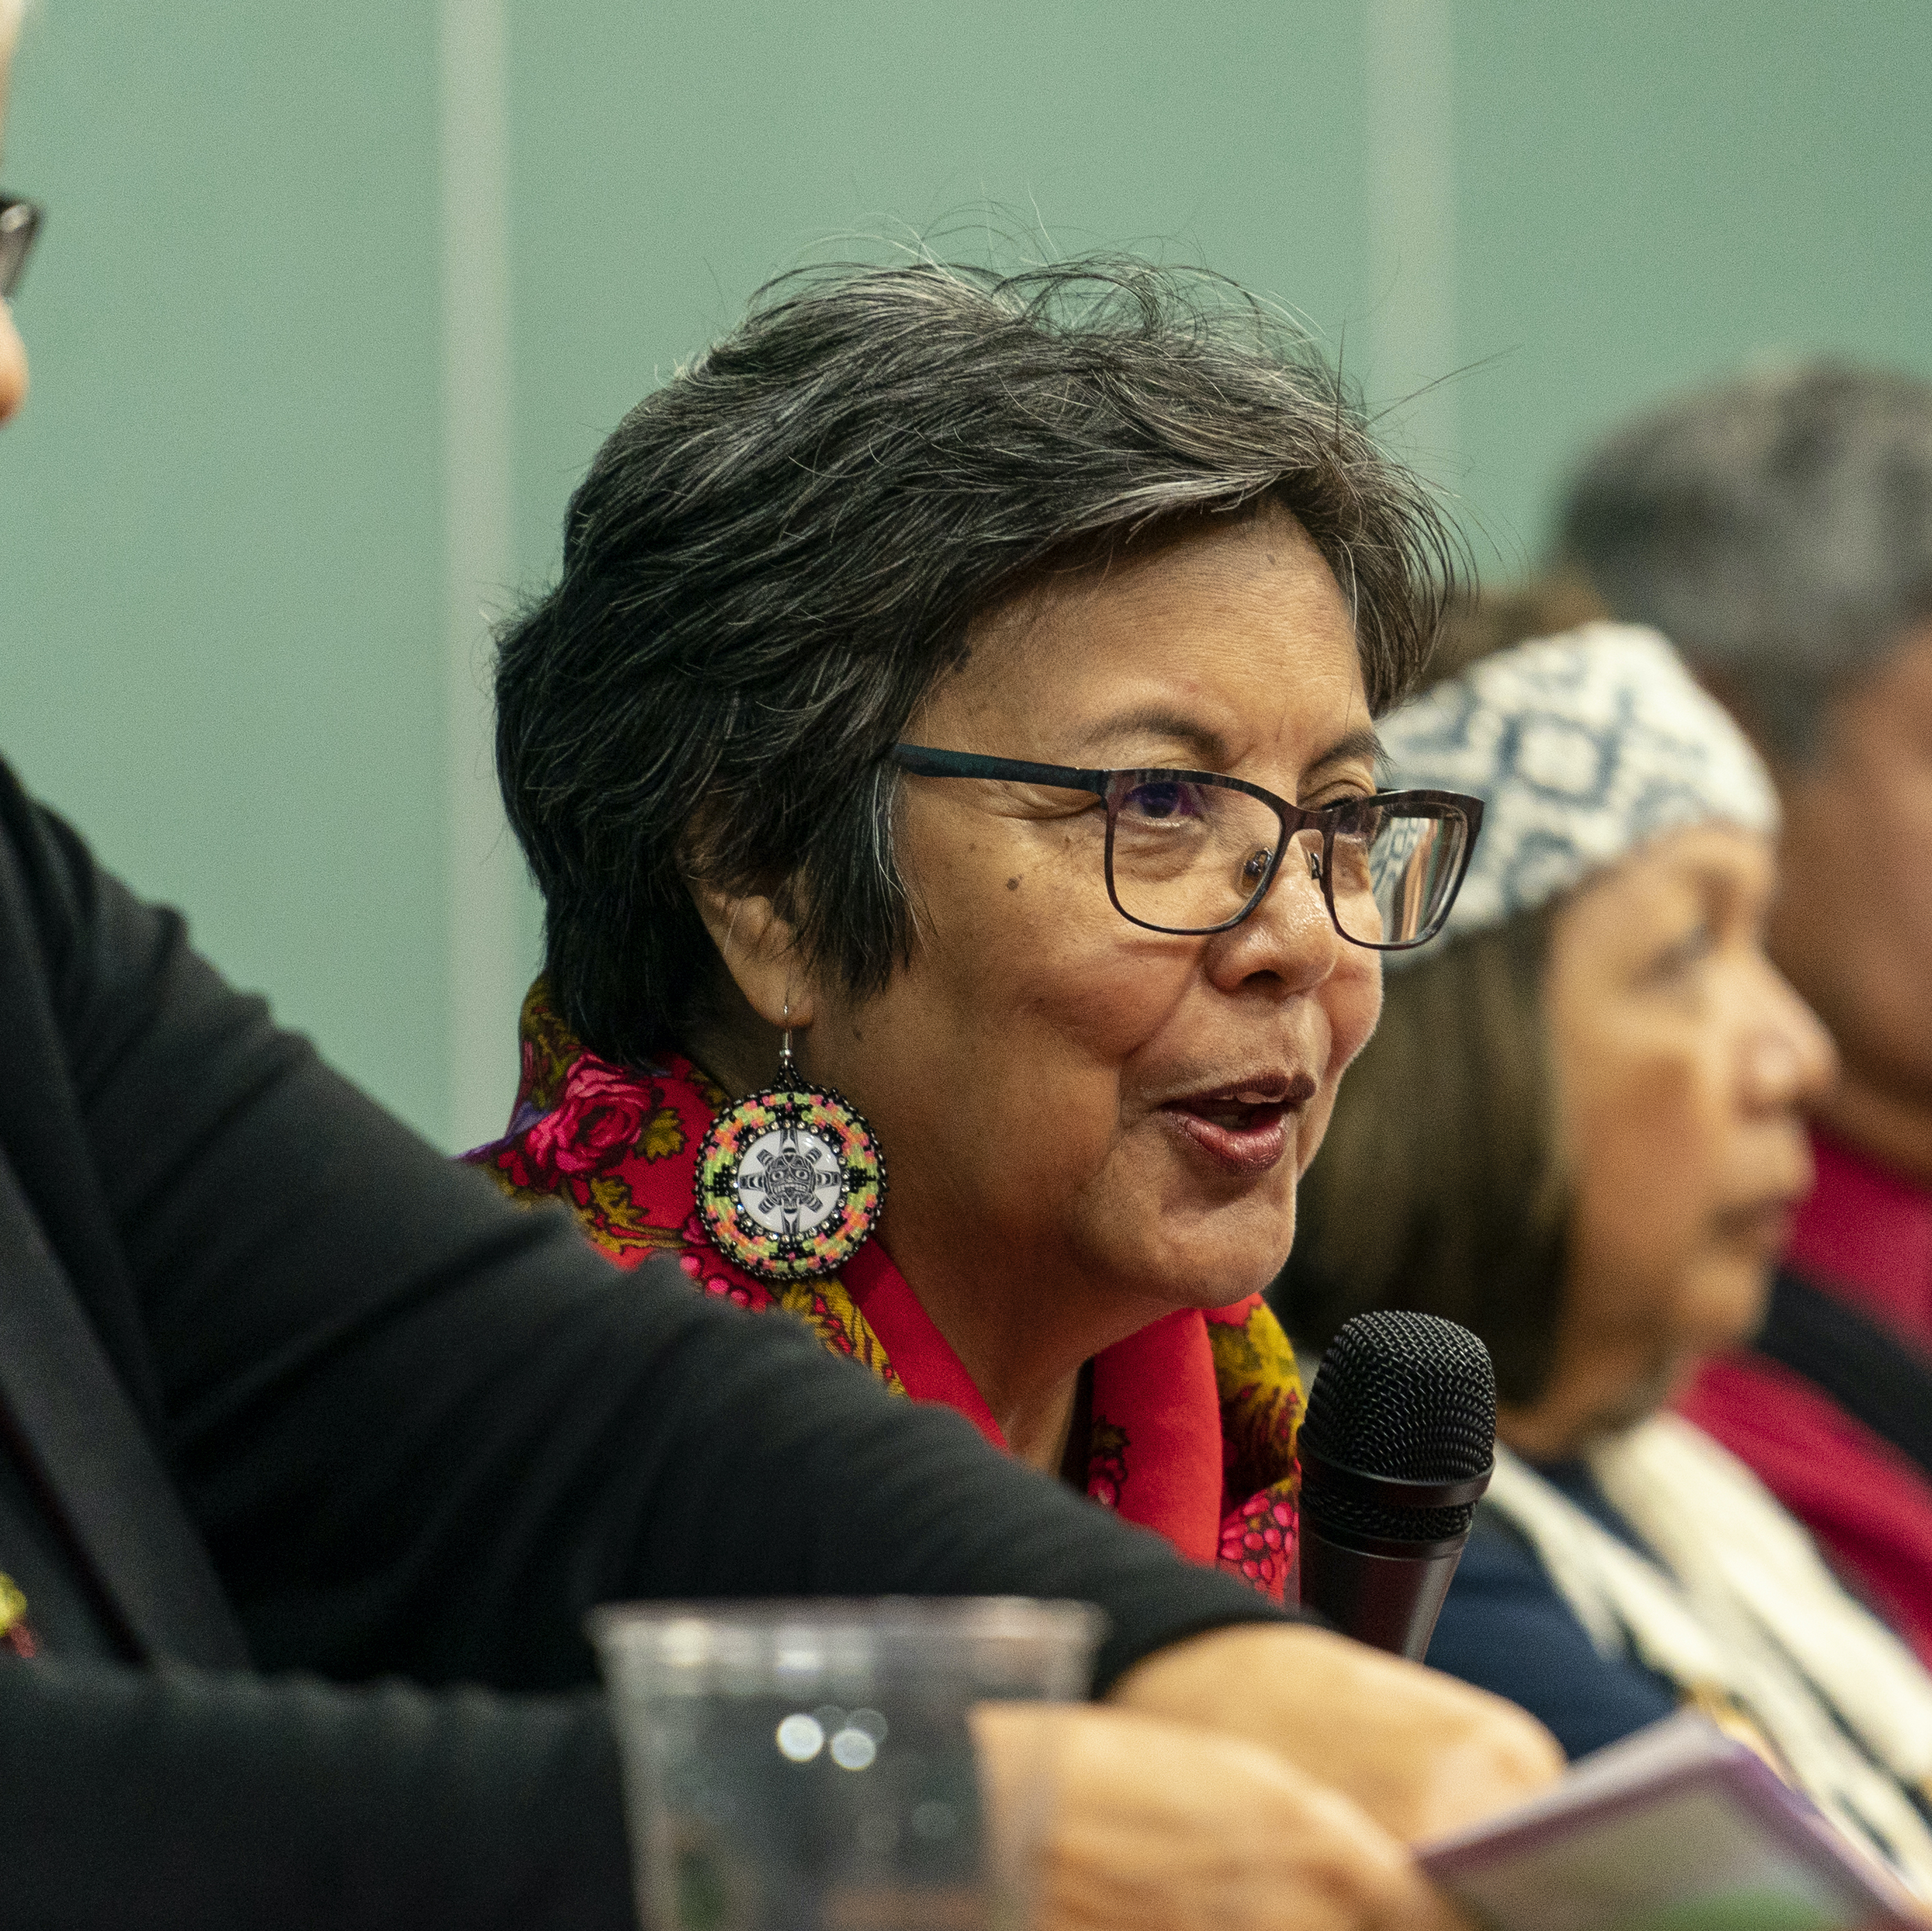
775, 555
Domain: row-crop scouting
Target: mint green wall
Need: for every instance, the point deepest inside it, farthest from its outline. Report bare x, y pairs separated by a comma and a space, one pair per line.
1654, 191
669, 159
224, 600
219, 525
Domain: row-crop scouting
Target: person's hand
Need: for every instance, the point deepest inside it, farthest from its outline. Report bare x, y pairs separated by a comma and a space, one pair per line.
1152, 1826
1423, 1754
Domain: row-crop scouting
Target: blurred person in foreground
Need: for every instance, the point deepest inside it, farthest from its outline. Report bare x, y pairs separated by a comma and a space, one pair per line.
289, 1404
1778, 529
951, 684
1577, 1130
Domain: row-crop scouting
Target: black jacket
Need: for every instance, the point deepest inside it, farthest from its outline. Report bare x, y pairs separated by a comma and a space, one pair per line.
291, 1404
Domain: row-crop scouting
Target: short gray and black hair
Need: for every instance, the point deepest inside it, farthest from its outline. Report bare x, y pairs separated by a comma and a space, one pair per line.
1777, 530
776, 555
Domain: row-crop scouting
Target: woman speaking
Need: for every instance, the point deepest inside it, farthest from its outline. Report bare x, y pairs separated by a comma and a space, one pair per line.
947, 761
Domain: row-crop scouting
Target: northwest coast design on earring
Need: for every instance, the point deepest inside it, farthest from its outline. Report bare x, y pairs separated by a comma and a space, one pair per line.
789, 1182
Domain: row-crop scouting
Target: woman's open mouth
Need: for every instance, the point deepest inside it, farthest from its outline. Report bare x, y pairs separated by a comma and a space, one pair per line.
1242, 1129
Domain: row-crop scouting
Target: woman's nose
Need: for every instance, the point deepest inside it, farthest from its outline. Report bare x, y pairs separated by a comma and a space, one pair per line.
1288, 935
1790, 1059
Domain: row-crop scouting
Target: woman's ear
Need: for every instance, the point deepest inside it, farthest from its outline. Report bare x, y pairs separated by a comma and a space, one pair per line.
759, 946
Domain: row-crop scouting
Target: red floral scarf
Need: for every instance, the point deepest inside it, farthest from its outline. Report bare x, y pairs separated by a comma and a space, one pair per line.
1194, 1417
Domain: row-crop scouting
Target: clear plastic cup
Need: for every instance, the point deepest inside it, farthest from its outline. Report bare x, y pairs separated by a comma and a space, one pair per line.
809, 1767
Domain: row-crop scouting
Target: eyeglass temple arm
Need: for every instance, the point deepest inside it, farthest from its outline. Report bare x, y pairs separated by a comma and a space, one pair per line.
923, 762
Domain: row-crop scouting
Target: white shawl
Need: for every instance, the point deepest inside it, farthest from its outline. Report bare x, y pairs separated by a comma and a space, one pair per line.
1741, 1609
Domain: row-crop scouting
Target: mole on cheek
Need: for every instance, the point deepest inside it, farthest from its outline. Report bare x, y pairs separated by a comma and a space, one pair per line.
1012, 885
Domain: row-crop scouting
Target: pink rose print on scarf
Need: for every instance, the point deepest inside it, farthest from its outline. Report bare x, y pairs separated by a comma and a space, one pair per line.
1257, 1539
595, 1127
715, 1284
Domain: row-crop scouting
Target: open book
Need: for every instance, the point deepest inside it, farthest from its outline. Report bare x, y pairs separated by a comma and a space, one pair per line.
1677, 1828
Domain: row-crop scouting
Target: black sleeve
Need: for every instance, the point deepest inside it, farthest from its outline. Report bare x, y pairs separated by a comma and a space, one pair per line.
423, 1431
169, 1801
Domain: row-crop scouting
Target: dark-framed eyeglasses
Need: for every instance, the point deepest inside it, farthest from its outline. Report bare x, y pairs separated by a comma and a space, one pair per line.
20, 223
1194, 852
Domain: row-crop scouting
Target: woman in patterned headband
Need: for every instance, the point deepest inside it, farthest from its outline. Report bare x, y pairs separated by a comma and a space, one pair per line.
1577, 1132
947, 759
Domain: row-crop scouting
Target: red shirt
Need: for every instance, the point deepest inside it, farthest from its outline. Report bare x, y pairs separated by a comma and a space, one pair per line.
1865, 1236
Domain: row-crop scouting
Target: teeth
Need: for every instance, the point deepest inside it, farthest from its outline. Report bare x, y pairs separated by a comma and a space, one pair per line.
1238, 1112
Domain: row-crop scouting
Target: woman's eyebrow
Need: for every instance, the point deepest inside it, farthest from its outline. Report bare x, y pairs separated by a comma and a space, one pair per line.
1205, 744
1363, 743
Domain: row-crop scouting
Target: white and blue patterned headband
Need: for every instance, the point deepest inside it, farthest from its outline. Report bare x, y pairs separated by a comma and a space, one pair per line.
1583, 748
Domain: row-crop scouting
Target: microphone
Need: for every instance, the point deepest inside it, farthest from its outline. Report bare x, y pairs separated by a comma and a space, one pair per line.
1397, 1444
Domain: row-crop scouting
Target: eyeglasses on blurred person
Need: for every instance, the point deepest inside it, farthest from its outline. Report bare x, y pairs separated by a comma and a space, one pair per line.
19, 223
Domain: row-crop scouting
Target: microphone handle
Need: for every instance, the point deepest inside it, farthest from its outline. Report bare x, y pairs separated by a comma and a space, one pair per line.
1388, 1599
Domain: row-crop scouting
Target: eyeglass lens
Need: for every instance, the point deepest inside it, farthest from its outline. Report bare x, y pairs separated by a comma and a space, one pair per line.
1189, 856
19, 221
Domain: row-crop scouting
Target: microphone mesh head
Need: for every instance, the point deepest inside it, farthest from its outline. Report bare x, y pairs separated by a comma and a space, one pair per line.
1403, 1395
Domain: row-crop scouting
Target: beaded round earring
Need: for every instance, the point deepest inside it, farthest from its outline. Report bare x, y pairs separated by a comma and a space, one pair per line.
790, 1181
